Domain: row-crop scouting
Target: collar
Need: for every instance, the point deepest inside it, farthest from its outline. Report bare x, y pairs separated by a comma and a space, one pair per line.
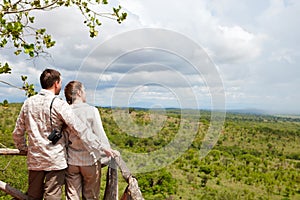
45, 92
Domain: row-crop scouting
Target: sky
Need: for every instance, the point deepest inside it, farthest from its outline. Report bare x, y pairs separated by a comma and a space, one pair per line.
207, 54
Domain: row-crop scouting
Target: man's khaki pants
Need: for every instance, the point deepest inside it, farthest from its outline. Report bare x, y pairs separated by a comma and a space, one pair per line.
45, 184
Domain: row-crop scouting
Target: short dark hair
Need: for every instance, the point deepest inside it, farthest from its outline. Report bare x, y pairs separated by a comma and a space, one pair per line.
48, 78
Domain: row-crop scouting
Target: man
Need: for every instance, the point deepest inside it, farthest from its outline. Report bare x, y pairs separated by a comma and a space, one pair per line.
46, 160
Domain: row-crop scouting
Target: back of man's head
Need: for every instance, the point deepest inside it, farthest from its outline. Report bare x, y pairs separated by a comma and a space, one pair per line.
48, 78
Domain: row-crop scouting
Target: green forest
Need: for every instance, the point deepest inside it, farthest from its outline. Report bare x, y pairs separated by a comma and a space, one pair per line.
255, 157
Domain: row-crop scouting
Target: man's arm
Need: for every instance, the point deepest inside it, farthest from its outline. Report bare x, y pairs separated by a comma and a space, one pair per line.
19, 132
91, 142
103, 137
98, 128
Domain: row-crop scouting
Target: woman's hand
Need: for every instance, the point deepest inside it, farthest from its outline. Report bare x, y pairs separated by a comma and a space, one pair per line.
111, 152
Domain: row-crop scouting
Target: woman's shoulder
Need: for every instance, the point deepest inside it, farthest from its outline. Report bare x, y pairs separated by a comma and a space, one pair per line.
83, 107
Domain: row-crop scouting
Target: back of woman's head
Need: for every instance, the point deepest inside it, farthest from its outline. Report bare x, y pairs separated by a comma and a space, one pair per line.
71, 89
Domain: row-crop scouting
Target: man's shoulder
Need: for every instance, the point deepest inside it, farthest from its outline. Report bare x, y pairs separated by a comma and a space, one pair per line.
60, 102
32, 99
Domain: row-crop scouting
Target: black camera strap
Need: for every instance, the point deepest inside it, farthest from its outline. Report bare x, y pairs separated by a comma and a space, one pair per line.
54, 135
51, 113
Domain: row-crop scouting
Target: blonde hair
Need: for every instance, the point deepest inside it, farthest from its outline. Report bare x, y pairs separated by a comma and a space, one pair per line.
71, 90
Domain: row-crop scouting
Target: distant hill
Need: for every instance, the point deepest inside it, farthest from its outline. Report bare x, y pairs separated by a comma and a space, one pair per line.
249, 111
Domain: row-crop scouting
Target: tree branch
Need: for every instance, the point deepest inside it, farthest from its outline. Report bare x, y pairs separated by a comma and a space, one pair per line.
30, 9
11, 85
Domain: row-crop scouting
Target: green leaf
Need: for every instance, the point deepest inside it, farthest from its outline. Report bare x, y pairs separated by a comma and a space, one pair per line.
29, 49
84, 4
5, 69
18, 52
98, 22
18, 27
93, 32
24, 78
48, 41
2, 20
40, 31
31, 19
31, 54
3, 43
9, 27
123, 17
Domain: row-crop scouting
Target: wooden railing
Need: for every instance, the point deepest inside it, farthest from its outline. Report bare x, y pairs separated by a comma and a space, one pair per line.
132, 191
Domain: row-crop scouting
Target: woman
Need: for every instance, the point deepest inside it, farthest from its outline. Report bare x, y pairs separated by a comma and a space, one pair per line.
84, 169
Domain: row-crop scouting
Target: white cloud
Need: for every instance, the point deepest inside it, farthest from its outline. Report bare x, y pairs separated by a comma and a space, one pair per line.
284, 55
226, 42
275, 8
237, 33
254, 43
235, 44
81, 46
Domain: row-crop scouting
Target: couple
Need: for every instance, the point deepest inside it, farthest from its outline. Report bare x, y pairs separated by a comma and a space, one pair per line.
49, 163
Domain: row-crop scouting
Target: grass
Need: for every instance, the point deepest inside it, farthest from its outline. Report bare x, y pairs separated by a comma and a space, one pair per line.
256, 157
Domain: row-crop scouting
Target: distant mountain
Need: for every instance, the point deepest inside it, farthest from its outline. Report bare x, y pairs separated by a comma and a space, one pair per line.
142, 104
249, 111
255, 111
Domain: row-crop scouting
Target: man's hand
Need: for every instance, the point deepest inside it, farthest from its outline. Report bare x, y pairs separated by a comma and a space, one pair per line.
23, 152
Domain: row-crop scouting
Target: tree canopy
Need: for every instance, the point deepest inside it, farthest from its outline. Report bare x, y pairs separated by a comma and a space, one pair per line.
18, 31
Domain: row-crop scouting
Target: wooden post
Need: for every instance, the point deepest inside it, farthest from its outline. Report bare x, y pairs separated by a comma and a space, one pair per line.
132, 191
111, 188
12, 191
17, 194
123, 168
6, 151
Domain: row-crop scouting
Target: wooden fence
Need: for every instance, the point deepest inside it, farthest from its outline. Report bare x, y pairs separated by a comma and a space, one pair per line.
132, 191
